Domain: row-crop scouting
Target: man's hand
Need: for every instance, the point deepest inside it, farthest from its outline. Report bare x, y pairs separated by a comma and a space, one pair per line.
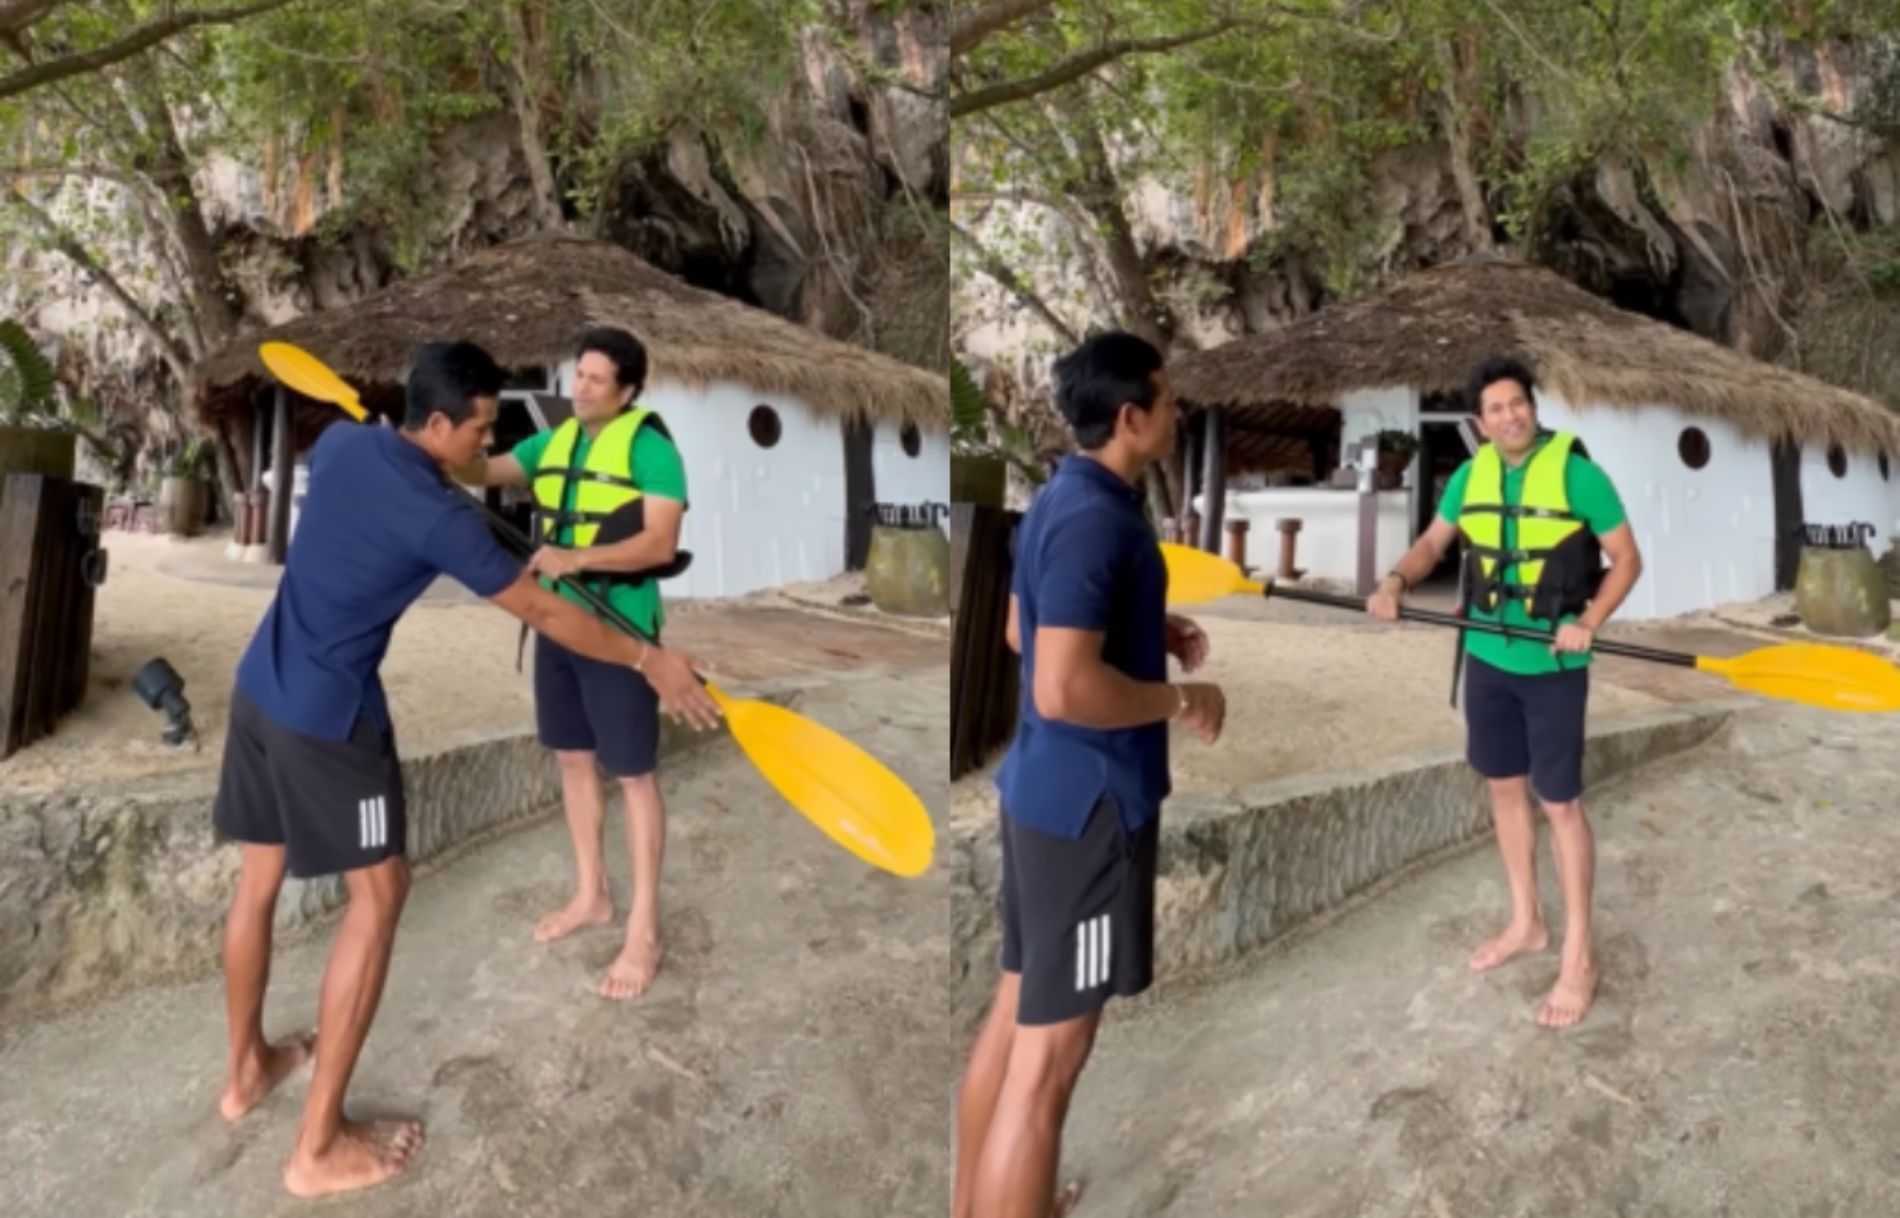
1186, 643
1573, 636
1205, 712
1384, 601
682, 697
555, 562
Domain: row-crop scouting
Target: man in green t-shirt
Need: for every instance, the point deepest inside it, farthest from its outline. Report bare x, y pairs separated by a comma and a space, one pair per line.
1538, 518
592, 714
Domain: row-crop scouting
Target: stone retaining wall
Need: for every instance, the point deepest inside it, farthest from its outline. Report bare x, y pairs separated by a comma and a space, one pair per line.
1243, 868
107, 888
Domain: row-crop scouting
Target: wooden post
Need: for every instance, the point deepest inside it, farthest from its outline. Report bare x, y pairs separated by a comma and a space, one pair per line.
1213, 477
1368, 465
283, 463
1237, 542
1289, 538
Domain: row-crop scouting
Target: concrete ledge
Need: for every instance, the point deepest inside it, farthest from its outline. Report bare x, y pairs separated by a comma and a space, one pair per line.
114, 887
1241, 869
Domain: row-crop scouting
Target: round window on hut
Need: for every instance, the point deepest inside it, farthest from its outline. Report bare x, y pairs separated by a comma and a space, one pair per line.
1693, 447
912, 441
1837, 461
764, 426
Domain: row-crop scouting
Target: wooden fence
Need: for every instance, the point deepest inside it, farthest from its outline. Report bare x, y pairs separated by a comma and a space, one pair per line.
984, 672
50, 563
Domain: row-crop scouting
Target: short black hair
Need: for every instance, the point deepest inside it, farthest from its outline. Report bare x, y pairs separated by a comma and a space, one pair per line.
445, 379
628, 354
1500, 368
1093, 381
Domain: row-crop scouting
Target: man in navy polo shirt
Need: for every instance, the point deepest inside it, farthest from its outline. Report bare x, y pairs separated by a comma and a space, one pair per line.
1083, 782
311, 782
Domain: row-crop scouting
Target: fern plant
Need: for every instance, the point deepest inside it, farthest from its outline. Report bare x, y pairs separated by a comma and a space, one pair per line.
28, 390
977, 429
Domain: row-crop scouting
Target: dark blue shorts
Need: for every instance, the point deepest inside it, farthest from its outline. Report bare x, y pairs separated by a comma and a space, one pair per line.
583, 705
1517, 725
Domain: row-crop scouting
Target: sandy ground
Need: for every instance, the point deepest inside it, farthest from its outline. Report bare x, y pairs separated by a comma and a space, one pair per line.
1775, 616
450, 672
793, 1059
1739, 1063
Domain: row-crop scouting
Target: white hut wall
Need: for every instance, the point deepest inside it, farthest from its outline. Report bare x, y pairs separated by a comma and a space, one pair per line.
1707, 535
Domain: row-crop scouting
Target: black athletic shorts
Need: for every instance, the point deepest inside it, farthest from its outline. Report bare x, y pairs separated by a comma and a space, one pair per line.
1517, 725
589, 706
333, 805
1078, 915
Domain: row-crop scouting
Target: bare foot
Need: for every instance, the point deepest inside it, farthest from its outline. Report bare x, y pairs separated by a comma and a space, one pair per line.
579, 912
364, 1153
1067, 1198
1515, 940
252, 1081
633, 970
1569, 1000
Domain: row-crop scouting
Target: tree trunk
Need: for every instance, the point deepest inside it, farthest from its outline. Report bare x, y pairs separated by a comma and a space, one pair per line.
1455, 116
213, 297
525, 72
1142, 312
229, 493
1214, 479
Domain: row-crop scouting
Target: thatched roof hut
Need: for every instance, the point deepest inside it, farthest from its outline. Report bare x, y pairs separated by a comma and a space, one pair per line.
526, 301
1428, 332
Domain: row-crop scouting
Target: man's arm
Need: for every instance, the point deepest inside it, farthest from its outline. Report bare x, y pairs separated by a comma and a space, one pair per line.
1073, 684
654, 545
669, 673
484, 470
1626, 565
1422, 559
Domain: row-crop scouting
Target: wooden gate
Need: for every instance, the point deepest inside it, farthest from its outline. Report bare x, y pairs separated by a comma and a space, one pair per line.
985, 674
50, 563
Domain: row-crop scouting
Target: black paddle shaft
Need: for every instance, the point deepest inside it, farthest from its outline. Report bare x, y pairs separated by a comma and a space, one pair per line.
1431, 618
522, 546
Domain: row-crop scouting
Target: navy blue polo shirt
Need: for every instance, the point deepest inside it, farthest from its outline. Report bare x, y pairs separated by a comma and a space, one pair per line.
379, 524
1086, 559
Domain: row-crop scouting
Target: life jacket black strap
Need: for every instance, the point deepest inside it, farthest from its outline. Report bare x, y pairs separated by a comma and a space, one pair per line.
580, 474
1515, 511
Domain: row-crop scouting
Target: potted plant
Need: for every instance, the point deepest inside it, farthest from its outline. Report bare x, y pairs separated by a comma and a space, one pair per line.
183, 493
1395, 453
982, 447
33, 439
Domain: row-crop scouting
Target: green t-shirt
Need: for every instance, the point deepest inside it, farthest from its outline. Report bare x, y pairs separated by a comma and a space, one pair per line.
1593, 499
657, 470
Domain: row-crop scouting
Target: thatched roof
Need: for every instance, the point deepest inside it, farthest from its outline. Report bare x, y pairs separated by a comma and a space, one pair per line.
1429, 331
526, 302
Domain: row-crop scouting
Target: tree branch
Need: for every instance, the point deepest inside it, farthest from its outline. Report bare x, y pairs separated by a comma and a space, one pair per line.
1075, 67
1001, 272
16, 17
140, 39
971, 26
69, 245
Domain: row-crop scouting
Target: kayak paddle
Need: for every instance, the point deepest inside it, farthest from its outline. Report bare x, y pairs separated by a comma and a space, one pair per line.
1813, 674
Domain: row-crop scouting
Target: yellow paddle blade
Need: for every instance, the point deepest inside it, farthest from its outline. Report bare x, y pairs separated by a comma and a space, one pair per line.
1195, 576
310, 376
1833, 678
838, 786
